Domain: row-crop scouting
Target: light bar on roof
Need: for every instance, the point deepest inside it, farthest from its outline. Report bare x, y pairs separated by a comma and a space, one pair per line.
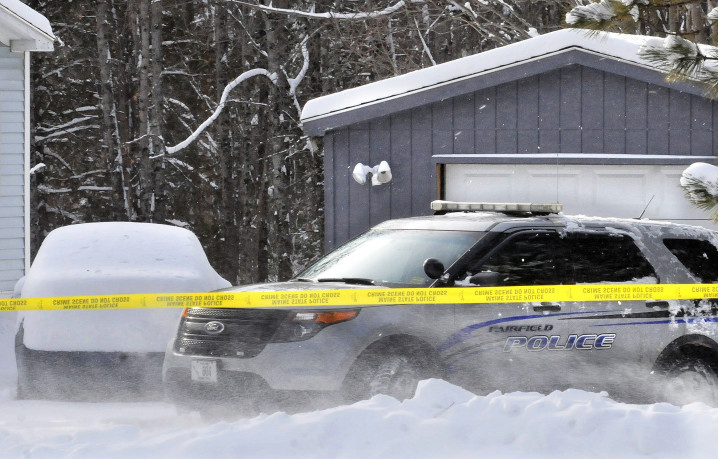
528, 207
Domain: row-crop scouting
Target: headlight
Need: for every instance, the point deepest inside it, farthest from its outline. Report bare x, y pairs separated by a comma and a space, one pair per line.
300, 326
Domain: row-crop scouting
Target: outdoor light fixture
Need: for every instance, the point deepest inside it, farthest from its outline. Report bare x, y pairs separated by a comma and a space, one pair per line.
380, 173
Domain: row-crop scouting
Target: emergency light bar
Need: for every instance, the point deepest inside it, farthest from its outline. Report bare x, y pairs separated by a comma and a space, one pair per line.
510, 207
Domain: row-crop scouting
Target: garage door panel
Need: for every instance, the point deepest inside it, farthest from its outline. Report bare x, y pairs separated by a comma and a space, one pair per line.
552, 187
599, 190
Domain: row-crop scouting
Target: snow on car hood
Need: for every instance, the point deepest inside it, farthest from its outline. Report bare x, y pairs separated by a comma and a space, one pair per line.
107, 259
299, 286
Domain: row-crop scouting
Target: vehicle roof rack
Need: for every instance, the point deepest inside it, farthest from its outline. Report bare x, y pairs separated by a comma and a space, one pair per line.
519, 208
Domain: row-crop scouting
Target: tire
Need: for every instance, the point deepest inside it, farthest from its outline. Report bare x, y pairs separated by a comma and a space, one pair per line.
690, 380
395, 375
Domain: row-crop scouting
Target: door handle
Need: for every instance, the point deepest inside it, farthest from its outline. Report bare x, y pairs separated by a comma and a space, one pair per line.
549, 307
657, 304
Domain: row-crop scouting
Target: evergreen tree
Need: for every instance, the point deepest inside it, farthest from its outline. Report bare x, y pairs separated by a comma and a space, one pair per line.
688, 29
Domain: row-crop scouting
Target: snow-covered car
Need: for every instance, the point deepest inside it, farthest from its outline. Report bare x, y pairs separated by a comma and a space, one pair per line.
619, 346
105, 353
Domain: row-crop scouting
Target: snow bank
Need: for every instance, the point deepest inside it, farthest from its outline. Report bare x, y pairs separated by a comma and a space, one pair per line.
441, 421
108, 259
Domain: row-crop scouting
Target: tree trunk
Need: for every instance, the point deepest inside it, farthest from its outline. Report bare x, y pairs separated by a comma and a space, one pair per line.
157, 144
111, 154
146, 190
277, 129
229, 267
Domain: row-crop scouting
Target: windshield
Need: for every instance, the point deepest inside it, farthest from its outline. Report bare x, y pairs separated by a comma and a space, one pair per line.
392, 256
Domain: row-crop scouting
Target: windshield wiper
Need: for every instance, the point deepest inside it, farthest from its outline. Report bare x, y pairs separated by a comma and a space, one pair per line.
348, 280
301, 279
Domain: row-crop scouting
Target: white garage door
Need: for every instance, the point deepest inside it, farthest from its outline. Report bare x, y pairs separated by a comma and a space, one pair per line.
605, 191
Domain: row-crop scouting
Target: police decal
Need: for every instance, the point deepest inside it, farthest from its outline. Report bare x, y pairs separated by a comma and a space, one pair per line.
556, 343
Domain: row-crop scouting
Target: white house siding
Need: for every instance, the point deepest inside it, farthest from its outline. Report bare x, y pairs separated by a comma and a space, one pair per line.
12, 157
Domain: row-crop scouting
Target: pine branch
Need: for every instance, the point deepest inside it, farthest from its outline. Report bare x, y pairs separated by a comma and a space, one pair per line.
701, 190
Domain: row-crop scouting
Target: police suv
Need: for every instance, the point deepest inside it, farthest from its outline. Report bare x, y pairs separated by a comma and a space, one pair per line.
639, 349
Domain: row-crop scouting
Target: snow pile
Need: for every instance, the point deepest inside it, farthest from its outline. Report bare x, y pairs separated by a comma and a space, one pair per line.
442, 420
113, 259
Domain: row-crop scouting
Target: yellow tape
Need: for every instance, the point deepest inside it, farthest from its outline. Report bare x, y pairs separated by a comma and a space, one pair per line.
370, 297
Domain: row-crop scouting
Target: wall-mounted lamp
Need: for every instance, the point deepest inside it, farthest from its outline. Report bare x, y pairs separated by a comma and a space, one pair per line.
380, 173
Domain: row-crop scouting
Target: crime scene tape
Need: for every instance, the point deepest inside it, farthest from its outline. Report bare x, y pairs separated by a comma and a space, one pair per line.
370, 297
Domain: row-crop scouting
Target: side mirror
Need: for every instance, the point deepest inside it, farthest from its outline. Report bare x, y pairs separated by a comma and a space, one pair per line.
485, 279
433, 268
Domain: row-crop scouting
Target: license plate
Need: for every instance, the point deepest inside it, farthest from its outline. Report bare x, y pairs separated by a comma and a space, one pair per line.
204, 371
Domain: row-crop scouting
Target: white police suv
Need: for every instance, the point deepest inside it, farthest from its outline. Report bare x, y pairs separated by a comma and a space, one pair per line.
638, 348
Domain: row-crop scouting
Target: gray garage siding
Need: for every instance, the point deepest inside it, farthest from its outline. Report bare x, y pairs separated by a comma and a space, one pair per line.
572, 109
12, 224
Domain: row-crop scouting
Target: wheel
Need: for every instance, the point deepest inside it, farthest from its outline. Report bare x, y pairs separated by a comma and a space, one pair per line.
395, 375
690, 380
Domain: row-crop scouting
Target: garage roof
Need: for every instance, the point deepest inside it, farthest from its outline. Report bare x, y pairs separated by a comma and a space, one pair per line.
24, 29
612, 52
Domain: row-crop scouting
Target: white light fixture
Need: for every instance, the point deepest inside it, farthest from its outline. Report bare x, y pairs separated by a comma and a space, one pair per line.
380, 173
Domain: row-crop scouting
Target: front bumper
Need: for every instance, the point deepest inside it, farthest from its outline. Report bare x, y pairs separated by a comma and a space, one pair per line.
318, 364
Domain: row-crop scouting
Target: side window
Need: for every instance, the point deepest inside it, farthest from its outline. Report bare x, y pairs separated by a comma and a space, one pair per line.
700, 257
527, 259
607, 258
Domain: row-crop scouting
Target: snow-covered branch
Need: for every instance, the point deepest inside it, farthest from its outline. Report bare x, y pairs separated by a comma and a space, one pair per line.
423, 43
294, 82
233, 84
330, 14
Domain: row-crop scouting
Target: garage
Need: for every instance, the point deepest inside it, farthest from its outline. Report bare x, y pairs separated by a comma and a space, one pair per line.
564, 117
616, 190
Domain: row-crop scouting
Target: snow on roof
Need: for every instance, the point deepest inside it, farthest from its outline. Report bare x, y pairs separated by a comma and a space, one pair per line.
24, 29
616, 46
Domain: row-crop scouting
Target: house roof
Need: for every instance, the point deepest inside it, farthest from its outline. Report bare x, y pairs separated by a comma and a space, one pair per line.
24, 29
611, 52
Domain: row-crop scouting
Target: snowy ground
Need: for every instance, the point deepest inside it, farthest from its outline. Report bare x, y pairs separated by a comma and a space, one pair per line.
442, 420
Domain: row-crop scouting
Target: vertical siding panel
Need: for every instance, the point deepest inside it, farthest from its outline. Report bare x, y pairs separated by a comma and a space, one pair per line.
636, 108
341, 187
400, 165
591, 111
570, 109
680, 123
443, 125
614, 113
423, 172
658, 120
549, 112
701, 126
380, 149
506, 107
485, 121
359, 195
527, 115
464, 124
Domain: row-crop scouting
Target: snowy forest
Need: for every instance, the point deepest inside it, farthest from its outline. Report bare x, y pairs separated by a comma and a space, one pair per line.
187, 112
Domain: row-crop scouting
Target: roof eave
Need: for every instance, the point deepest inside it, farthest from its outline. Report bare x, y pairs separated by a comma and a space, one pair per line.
21, 36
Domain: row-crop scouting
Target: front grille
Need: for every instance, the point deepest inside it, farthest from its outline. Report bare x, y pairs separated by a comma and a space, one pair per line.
239, 333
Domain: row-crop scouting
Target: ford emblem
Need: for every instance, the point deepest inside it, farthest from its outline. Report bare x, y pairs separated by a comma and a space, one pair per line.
214, 327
